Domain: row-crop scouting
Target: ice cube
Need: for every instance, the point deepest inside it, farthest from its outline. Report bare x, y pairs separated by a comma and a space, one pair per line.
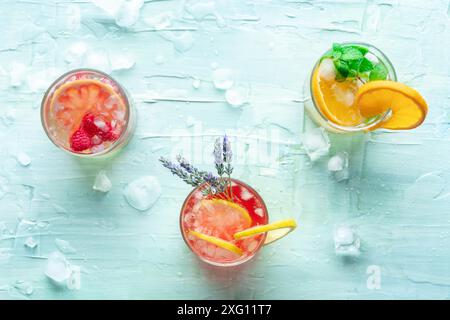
160, 21
102, 182
96, 140
259, 212
338, 166
237, 96
23, 159
347, 96
17, 74
245, 194
327, 71
316, 143
64, 246
24, 287
196, 83
58, 268
346, 241
99, 123
109, 6
124, 61
223, 78
142, 193
30, 243
338, 162
159, 59
128, 13
98, 59
76, 53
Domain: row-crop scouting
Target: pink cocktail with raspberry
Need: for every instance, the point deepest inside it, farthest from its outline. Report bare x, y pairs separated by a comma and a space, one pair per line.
87, 113
219, 218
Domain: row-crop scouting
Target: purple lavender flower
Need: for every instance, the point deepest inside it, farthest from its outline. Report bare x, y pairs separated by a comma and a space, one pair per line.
218, 156
227, 153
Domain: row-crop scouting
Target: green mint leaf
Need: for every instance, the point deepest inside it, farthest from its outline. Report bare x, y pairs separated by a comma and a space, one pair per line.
350, 53
363, 50
342, 69
379, 72
365, 65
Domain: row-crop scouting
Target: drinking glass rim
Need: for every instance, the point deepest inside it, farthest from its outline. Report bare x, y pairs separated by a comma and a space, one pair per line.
220, 264
391, 72
127, 112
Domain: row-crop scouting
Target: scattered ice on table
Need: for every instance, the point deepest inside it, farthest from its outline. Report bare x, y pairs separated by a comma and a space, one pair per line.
237, 96
23, 159
190, 121
24, 287
30, 243
64, 246
123, 61
109, 6
371, 57
102, 182
61, 272
203, 9
316, 143
182, 41
196, 83
58, 268
223, 78
338, 166
76, 52
17, 74
98, 59
142, 193
327, 70
160, 21
346, 242
128, 13
160, 59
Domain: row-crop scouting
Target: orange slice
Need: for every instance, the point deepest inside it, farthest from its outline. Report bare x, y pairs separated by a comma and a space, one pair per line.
408, 107
335, 99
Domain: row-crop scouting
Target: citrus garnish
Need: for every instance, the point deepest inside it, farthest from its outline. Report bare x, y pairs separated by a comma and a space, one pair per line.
217, 241
335, 98
221, 205
275, 230
408, 107
71, 100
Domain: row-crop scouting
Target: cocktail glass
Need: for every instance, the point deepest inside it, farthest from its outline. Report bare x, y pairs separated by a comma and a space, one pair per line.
215, 217
330, 103
87, 113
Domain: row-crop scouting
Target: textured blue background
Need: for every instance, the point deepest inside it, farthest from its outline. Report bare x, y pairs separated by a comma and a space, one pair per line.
397, 198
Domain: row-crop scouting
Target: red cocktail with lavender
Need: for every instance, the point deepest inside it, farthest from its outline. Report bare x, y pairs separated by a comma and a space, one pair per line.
223, 220
87, 113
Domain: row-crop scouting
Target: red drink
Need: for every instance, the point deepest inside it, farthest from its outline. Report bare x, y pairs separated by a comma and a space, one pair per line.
221, 218
86, 112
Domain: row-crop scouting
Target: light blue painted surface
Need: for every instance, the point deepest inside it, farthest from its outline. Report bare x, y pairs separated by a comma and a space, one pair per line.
404, 223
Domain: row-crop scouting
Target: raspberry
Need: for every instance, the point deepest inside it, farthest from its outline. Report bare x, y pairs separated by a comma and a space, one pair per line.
80, 140
88, 124
109, 136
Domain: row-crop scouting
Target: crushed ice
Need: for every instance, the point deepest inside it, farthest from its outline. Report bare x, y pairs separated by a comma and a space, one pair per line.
142, 193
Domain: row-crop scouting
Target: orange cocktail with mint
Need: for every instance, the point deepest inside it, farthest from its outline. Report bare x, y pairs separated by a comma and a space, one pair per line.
353, 87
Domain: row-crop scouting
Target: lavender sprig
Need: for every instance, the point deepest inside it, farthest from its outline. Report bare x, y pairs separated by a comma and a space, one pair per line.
192, 176
218, 156
227, 155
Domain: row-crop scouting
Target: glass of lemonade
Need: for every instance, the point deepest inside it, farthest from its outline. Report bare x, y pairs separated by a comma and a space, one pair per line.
331, 102
221, 219
87, 113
